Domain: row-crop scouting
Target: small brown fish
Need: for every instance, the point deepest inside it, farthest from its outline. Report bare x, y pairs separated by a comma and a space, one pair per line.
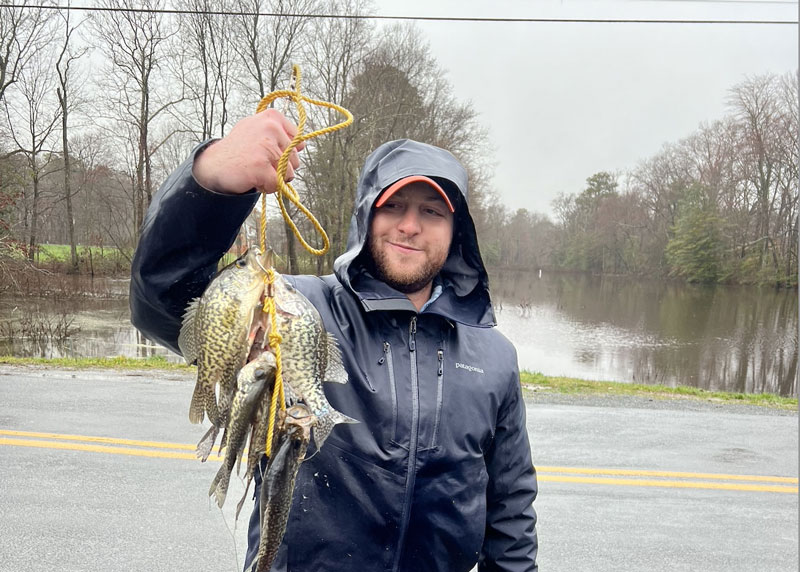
253, 383
278, 484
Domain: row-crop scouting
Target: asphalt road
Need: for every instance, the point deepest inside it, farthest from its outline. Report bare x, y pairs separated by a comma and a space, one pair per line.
97, 472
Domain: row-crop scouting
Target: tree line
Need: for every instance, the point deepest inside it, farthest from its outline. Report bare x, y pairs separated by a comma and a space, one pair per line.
99, 107
717, 206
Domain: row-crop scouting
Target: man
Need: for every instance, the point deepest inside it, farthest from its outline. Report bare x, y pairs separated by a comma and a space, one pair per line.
437, 475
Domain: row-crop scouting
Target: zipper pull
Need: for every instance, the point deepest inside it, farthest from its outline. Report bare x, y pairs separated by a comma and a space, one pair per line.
440, 355
412, 334
385, 351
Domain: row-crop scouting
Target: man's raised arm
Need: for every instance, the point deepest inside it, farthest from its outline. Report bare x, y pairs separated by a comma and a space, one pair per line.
194, 217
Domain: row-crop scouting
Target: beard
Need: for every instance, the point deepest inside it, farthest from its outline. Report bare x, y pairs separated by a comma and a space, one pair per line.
404, 281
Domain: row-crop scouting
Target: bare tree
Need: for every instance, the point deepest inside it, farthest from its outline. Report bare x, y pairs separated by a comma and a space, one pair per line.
395, 90
208, 65
66, 58
135, 39
755, 105
332, 163
33, 116
267, 46
23, 33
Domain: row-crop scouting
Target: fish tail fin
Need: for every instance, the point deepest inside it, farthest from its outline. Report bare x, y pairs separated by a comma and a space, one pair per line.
326, 423
240, 504
197, 408
214, 414
224, 441
207, 443
219, 486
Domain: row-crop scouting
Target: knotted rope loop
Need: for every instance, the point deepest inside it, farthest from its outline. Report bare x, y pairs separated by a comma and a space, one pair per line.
286, 191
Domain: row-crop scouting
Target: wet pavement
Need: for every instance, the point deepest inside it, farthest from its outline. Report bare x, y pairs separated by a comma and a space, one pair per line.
97, 472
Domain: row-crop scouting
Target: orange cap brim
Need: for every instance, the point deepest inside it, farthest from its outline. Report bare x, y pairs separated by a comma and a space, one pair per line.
397, 185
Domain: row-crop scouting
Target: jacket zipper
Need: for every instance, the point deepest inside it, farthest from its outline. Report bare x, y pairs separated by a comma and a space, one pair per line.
439, 391
387, 357
412, 446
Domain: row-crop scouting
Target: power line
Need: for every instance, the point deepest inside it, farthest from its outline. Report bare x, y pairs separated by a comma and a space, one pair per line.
751, 2
406, 18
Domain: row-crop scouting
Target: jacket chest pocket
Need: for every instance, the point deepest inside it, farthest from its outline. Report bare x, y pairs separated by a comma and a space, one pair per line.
412, 394
389, 395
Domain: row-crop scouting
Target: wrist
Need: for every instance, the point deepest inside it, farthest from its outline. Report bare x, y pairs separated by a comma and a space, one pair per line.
208, 170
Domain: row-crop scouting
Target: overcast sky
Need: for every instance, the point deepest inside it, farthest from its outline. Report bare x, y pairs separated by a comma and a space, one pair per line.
566, 100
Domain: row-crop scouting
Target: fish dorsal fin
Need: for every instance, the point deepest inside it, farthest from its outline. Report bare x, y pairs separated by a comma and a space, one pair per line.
187, 337
335, 371
326, 423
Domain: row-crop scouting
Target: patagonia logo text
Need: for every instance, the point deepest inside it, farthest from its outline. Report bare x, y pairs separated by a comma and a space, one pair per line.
468, 367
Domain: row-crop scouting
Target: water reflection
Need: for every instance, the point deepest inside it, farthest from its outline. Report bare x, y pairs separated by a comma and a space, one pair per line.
620, 329
714, 337
99, 327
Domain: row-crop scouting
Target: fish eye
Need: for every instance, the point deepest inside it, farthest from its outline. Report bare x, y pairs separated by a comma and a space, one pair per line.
259, 373
241, 262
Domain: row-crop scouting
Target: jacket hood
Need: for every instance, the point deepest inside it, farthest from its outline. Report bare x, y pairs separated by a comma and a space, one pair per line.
465, 297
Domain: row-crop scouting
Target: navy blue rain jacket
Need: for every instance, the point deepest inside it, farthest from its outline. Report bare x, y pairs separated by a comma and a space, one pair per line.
438, 474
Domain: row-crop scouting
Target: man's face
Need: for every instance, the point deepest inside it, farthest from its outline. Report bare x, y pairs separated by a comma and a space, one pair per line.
409, 237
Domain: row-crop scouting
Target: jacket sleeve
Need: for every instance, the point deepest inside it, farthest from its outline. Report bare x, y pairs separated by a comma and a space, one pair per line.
185, 232
510, 542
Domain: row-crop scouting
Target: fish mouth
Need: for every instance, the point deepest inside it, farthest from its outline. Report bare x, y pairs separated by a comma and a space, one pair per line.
263, 259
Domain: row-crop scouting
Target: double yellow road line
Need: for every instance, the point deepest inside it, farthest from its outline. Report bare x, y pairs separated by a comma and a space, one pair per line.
546, 474
670, 479
108, 445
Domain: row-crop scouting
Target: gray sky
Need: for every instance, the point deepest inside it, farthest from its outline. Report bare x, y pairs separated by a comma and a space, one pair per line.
565, 100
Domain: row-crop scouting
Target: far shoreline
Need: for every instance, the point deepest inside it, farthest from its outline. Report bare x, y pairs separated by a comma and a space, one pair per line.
534, 384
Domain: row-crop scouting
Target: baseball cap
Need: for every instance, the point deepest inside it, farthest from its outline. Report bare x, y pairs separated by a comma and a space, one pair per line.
397, 185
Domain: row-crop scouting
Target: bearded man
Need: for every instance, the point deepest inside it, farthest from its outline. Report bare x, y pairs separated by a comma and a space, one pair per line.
437, 476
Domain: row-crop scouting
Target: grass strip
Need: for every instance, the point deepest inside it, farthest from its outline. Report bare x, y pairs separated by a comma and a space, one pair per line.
62, 252
531, 381
119, 362
537, 382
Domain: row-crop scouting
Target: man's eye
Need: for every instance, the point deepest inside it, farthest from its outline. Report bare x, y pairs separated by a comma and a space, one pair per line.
433, 212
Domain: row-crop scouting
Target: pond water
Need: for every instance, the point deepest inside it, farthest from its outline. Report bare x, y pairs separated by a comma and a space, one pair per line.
730, 338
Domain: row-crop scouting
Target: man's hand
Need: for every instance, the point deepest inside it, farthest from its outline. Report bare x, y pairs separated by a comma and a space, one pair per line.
248, 156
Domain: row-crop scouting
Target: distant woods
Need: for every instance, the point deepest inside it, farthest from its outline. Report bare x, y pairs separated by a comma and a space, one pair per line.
717, 206
97, 108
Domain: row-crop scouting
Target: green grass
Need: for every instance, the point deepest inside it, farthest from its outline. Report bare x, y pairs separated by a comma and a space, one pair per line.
61, 252
531, 381
154, 362
535, 381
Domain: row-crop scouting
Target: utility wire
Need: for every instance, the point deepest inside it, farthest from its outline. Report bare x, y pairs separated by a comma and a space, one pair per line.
414, 18
750, 2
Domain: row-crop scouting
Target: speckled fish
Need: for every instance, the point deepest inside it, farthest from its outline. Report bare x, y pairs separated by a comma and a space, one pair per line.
217, 332
309, 356
278, 484
253, 385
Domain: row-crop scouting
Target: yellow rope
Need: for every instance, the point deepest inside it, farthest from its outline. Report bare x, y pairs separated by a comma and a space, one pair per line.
287, 191
278, 397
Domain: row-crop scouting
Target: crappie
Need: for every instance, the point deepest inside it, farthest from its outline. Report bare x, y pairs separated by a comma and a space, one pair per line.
253, 388
217, 332
277, 486
309, 356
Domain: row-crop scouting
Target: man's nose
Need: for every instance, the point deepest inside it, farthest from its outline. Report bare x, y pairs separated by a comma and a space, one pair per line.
409, 223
